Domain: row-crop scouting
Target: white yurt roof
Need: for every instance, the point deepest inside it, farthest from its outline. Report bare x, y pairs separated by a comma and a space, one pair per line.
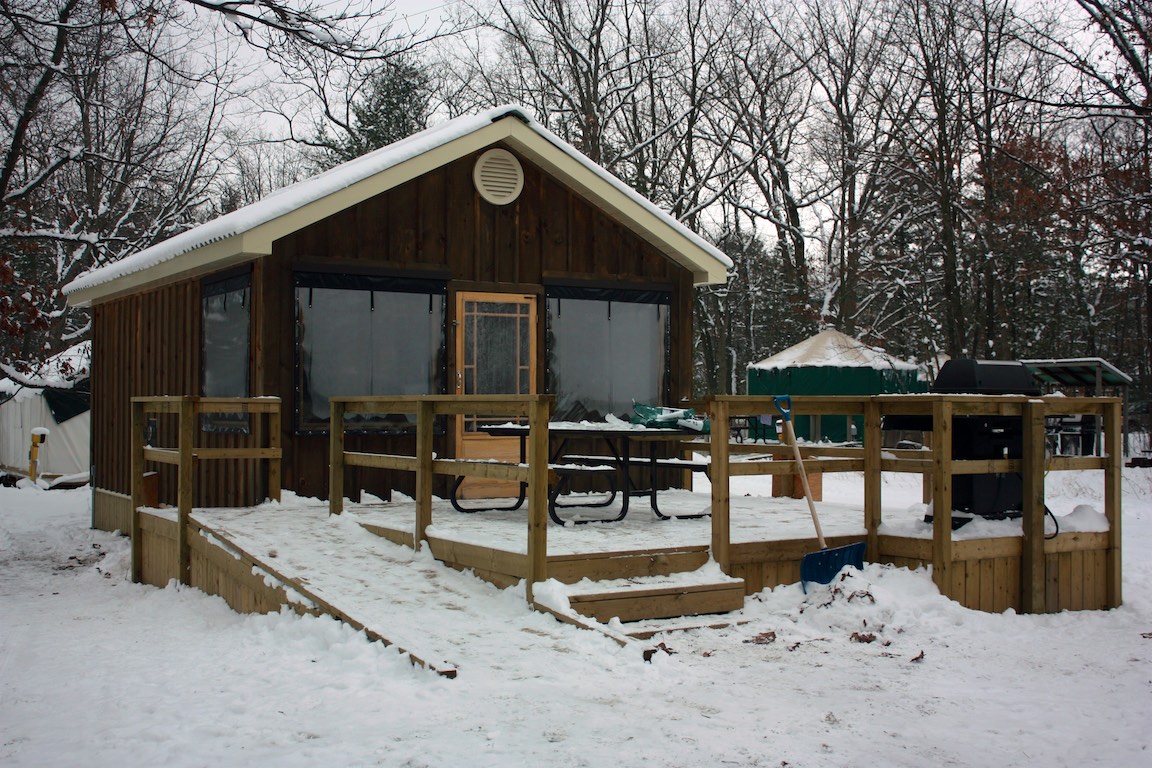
833, 349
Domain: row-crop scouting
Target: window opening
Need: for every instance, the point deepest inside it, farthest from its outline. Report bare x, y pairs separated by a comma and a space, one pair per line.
226, 324
366, 335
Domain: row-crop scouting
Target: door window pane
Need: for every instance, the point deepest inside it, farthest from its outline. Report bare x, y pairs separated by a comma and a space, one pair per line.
496, 353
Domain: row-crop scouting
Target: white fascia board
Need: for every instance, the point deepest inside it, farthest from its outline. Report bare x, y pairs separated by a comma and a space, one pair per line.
196, 263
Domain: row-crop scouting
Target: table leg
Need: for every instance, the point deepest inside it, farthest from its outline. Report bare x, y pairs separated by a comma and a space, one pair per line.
453, 497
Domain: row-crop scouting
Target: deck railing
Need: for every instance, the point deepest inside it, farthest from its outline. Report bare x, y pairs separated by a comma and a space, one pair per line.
534, 408
186, 456
938, 465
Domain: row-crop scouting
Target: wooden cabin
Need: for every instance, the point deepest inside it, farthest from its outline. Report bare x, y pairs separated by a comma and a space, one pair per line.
482, 256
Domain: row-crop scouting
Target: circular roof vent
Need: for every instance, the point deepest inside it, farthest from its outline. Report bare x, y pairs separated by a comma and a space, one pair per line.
498, 176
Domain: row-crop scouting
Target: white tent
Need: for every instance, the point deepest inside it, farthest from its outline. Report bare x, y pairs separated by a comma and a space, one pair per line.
58, 390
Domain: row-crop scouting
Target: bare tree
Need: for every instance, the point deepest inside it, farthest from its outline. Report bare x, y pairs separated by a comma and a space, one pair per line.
115, 154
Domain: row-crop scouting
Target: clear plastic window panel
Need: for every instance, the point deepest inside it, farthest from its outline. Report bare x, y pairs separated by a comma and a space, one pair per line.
605, 355
363, 342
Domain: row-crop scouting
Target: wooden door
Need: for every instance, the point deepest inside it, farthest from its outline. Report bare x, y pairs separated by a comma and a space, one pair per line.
495, 355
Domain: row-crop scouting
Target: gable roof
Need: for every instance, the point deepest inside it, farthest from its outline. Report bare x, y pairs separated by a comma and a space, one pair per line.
249, 232
833, 349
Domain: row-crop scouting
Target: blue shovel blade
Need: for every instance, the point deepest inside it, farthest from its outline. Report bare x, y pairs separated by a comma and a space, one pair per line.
821, 567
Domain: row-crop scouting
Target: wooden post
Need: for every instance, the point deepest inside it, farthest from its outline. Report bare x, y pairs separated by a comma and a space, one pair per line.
1032, 562
1113, 462
137, 486
873, 480
942, 495
539, 412
275, 465
718, 474
425, 418
185, 483
335, 457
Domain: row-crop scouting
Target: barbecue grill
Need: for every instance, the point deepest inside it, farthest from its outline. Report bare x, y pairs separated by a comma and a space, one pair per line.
996, 495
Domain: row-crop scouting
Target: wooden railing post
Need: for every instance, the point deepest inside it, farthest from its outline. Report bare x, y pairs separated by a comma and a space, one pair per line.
185, 483
137, 487
718, 475
275, 465
335, 457
873, 480
942, 495
1113, 462
537, 457
1032, 562
425, 417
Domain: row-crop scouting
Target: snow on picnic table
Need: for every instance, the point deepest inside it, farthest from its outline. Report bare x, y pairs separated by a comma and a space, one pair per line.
877, 670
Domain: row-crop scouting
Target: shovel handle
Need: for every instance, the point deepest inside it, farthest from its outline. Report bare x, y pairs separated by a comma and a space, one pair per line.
784, 405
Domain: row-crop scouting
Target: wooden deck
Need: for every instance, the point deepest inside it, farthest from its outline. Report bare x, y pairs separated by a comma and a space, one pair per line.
645, 568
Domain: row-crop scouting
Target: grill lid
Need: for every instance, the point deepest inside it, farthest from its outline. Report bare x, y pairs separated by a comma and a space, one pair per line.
964, 376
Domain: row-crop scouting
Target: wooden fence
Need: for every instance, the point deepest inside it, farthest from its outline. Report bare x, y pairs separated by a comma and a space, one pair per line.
535, 408
186, 456
1030, 574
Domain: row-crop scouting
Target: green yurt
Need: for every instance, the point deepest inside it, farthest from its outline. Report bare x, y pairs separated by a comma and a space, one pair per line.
831, 363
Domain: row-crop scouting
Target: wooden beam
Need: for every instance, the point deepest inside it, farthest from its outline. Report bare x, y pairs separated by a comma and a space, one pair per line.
495, 470
381, 461
137, 462
1113, 492
161, 455
1032, 563
537, 458
213, 454
425, 421
873, 479
719, 476
942, 495
185, 484
335, 456
275, 464
788, 466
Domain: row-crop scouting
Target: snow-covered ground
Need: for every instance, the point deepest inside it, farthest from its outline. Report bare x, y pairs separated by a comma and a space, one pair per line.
876, 671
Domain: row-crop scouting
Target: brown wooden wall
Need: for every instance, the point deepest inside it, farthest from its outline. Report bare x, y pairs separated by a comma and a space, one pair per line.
437, 225
148, 344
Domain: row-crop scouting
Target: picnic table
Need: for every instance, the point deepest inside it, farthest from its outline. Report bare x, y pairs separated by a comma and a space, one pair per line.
622, 447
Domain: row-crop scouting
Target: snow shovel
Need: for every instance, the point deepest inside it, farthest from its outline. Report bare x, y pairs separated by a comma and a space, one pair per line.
819, 567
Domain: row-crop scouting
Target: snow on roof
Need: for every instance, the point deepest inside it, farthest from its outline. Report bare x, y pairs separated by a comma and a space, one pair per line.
61, 371
290, 198
833, 349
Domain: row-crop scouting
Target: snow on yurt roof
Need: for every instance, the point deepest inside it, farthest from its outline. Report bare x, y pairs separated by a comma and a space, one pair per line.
833, 349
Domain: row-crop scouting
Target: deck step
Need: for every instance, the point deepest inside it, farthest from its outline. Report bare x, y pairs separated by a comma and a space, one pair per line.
646, 599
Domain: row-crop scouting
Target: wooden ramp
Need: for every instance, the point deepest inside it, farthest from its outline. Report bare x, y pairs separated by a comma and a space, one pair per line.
443, 619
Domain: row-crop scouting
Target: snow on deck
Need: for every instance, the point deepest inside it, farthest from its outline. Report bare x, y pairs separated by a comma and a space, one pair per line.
389, 588
430, 610
753, 518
